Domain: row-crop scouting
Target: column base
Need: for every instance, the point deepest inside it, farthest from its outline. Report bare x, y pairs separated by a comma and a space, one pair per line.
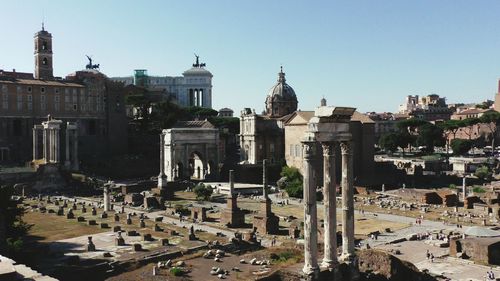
162, 181
329, 264
352, 262
311, 272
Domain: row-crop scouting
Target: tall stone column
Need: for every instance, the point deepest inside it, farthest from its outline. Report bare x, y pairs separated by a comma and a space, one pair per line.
76, 165
348, 254
231, 182
45, 146
107, 201
464, 188
35, 144
162, 178
264, 179
329, 199
310, 212
57, 150
51, 146
67, 163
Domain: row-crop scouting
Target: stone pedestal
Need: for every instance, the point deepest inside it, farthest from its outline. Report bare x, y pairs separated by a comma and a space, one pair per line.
232, 216
266, 222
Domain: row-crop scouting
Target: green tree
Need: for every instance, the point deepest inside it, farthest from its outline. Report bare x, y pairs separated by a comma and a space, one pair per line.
389, 142
294, 181
491, 120
12, 227
409, 133
203, 192
231, 123
201, 112
468, 125
430, 135
450, 128
461, 146
483, 173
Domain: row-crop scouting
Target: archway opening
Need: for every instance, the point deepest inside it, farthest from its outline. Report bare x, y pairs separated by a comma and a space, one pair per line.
196, 171
179, 171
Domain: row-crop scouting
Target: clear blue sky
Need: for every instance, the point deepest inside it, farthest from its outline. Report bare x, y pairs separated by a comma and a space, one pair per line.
366, 54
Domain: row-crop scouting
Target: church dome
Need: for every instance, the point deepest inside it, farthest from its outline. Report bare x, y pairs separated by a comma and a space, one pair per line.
281, 99
281, 91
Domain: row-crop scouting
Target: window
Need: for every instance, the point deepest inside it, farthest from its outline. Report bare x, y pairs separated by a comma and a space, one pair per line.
45, 61
57, 105
19, 89
56, 90
43, 105
4, 88
5, 101
42, 89
19, 102
29, 89
44, 45
30, 102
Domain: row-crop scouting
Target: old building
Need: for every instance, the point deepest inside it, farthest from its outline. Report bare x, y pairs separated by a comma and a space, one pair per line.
193, 88
87, 97
485, 250
190, 150
429, 108
361, 128
262, 135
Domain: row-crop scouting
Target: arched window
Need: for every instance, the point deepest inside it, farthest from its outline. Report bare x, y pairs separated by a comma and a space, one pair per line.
44, 45
45, 61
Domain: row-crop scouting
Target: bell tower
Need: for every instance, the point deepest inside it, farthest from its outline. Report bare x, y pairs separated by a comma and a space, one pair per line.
43, 55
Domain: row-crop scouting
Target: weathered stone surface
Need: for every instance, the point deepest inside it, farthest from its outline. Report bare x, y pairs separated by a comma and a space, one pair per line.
385, 265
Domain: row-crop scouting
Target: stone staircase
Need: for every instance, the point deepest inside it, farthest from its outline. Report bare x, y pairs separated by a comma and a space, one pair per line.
10, 271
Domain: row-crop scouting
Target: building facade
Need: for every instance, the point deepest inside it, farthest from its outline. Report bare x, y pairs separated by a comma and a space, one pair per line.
193, 88
361, 128
87, 97
262, 136
428, 108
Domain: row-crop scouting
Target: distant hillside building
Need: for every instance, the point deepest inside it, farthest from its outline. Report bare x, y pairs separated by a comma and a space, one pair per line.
87, 97
226, 112
429, 108
193, 88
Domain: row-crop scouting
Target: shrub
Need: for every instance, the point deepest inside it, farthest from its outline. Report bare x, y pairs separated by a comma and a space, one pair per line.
203, 192
478, 189
483, 173
293, 182
176, 271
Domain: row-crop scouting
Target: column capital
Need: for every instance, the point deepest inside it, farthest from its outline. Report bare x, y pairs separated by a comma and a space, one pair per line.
308, 149
328, 148
346, 147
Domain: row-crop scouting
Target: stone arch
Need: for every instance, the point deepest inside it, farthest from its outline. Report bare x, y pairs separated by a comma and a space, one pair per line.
196, 166
179, 170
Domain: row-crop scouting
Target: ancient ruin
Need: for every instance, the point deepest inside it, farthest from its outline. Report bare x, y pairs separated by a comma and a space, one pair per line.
232, 216
329, 127
266, 222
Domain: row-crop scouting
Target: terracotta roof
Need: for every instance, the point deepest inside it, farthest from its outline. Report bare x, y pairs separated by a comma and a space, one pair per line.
194, 124
472, 111
361, 118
